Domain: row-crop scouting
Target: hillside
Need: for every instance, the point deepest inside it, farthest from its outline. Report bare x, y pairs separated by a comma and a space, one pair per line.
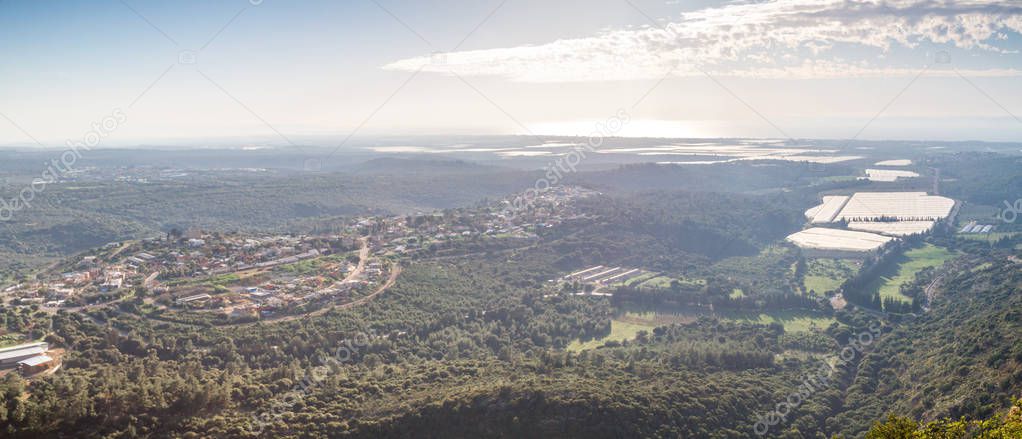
964, 358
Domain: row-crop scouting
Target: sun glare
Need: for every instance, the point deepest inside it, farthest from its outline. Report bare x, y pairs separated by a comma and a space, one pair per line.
632, 128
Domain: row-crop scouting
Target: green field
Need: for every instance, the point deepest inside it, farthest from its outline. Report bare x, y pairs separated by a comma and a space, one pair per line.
619, 331
792, 321
905, 269
637, 280
824, 274
977, 212
664, 282
773, 262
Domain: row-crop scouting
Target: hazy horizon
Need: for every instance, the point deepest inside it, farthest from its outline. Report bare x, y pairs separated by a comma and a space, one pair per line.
904, 70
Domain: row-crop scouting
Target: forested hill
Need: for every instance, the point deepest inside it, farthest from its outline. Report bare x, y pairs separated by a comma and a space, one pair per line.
963, 358
675, 230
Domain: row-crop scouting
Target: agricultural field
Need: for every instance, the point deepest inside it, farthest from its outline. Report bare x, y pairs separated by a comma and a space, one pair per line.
889, 282
620, 330
663, 317
773, 262
826, 274
793, 321
664, 282
977, 212
838, 179
638, 280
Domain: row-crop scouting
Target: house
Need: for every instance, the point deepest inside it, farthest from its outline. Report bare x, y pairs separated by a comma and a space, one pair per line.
36, 364
112, 284
12, 355
77, 278
55, 292
258, 294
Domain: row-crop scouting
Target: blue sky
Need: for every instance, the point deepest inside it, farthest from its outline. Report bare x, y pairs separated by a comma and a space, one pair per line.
282, 69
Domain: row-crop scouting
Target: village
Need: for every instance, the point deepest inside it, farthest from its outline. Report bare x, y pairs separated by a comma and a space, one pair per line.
231, 278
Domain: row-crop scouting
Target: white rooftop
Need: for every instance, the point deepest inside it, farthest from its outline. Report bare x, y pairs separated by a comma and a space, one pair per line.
899, 162
825, 213
821, 238
36, 360
896, 228
888, 175
23, 350
906, 206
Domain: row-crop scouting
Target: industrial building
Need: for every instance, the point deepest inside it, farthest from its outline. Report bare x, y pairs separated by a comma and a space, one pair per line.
14, 354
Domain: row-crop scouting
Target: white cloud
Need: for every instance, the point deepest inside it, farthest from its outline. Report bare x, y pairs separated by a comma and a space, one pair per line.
777, 39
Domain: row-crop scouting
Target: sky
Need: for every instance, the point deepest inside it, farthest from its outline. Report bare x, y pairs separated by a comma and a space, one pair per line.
281, 71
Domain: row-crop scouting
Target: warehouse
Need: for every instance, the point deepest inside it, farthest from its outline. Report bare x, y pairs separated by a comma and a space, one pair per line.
34, 365
12, 355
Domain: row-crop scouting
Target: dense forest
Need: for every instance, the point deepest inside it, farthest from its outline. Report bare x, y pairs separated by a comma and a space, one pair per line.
962, 359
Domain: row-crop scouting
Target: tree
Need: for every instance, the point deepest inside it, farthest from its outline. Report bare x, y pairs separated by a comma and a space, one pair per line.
895, 427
